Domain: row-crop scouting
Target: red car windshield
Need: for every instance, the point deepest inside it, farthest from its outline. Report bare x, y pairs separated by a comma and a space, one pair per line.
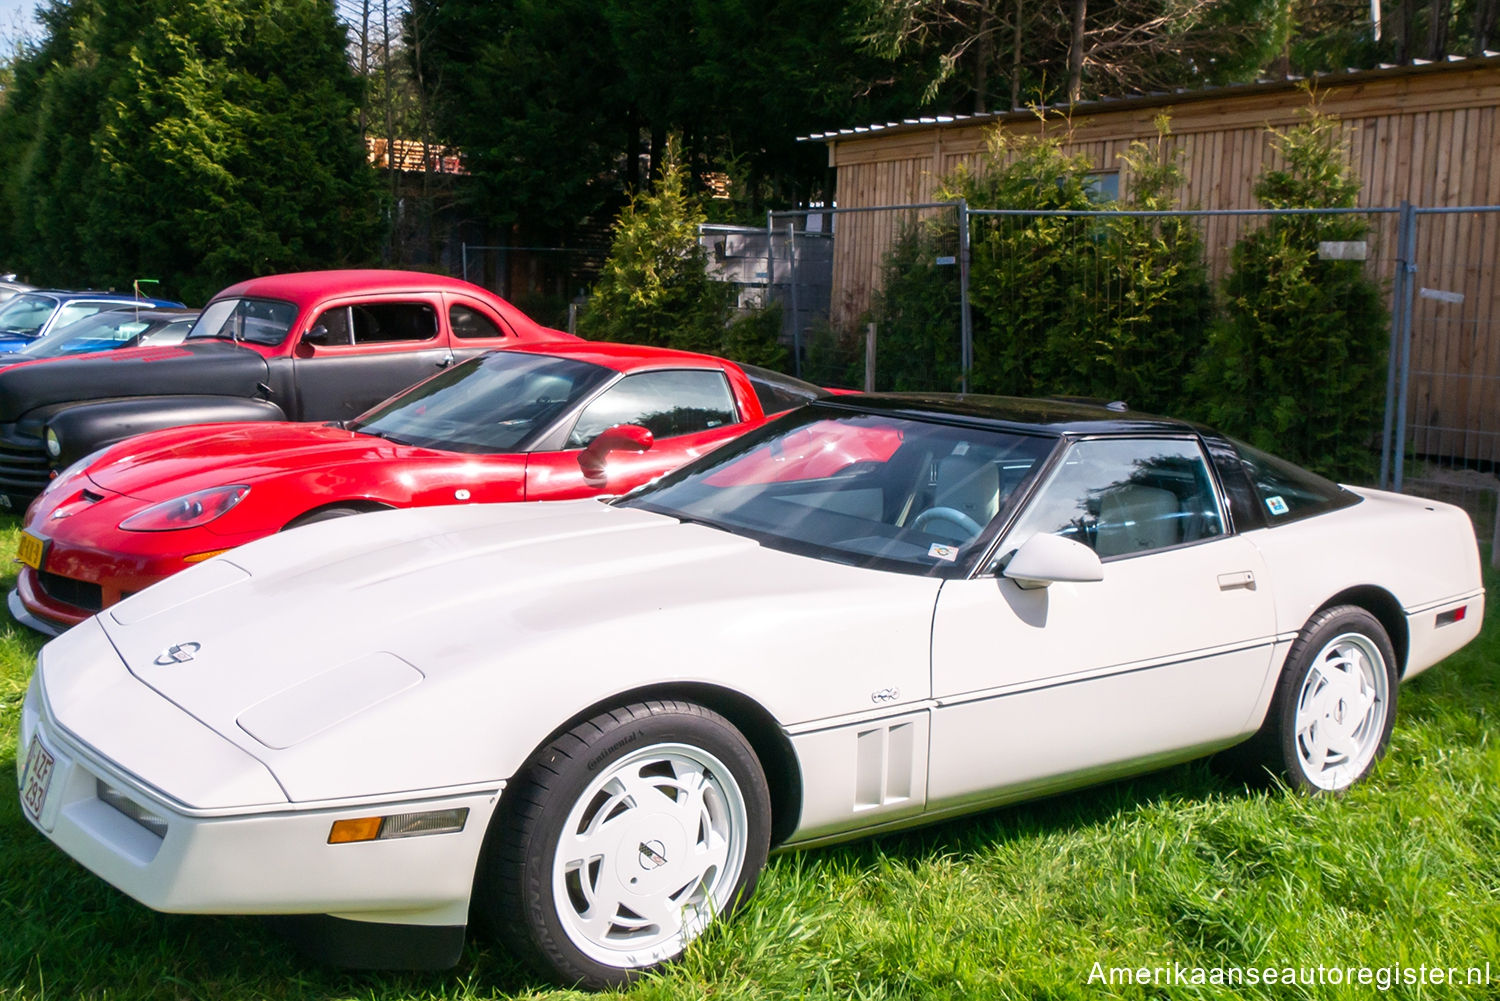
879, 490
498, 402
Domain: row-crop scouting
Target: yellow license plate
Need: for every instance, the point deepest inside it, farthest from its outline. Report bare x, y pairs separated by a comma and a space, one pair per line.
30, 550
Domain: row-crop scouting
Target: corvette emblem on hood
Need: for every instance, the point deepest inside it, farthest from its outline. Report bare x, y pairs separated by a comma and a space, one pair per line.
178, 653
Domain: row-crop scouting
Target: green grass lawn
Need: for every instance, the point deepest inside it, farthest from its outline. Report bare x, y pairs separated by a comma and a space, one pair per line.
1178, 867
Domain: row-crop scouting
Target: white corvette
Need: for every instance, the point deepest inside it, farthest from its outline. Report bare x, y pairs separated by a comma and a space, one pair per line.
590, 722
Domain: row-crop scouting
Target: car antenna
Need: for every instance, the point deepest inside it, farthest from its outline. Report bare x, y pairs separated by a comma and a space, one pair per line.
136, 285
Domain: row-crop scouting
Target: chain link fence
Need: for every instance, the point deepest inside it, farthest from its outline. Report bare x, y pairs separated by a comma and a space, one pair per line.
546, 283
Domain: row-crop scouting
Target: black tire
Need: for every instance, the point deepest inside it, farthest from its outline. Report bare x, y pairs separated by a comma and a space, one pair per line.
1335, 704
571, 796
322, 514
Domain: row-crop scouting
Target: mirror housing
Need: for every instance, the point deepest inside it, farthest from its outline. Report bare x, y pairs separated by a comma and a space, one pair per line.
1047, 559
620, 438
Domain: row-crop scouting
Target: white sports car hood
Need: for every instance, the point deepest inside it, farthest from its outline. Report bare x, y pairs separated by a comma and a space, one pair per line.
436, 647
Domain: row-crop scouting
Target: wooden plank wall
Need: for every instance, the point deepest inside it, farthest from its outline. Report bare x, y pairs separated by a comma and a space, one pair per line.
1426, 135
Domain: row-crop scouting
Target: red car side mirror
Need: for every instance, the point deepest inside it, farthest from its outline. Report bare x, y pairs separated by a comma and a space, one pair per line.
620, 438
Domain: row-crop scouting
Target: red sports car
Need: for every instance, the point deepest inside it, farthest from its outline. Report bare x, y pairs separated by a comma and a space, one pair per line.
538, 422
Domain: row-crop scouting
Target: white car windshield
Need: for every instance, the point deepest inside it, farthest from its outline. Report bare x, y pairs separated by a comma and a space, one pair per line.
881, 490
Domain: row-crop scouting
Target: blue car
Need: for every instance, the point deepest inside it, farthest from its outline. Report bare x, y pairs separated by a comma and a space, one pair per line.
30, 315
114, 328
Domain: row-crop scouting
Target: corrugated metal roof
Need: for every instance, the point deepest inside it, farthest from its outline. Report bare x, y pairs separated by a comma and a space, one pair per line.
1160, 97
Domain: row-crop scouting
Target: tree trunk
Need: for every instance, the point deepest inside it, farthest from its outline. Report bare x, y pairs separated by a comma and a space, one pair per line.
1484, 24
1075, 51
1406, 27
1015, 60
982, 57
1439, 13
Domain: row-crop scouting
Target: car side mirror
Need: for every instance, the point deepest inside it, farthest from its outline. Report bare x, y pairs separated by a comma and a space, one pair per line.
1046, 559
620, 438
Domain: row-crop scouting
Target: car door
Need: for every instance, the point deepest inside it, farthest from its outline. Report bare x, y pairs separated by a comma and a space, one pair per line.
688, 411
355, 354
1167, 656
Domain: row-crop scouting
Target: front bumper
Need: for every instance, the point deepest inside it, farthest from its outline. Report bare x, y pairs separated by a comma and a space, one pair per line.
271, 858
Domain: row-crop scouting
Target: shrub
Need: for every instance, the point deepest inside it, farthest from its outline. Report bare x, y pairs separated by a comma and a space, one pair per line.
655, 288
1100, 306
1296, 362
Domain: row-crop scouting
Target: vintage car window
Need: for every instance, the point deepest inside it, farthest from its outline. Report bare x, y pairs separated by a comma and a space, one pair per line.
777, 391
1289, 492
1122, 496
667, 403
331, 327
74, 311
499, 402
25, 314
469, 322
891, 492
255, 321
383, 322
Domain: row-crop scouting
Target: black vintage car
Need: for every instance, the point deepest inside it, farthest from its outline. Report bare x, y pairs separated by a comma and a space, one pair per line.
309, 346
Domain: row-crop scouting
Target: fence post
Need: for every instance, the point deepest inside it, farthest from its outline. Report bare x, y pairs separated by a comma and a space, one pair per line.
1407, 267
791, 278
870, 364
466, 259
770, 257
1393, 354
966, 323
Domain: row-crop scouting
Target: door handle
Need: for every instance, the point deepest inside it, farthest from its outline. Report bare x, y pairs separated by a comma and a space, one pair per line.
1238, 579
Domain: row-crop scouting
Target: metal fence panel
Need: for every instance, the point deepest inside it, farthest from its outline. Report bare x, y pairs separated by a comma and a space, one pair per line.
1450, 435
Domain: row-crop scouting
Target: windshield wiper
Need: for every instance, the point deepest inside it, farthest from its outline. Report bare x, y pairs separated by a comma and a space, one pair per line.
386, 435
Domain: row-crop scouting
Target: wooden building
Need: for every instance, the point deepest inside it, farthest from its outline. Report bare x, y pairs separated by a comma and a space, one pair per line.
1426, 134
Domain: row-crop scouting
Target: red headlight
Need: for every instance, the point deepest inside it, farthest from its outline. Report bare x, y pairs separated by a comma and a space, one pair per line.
187, 511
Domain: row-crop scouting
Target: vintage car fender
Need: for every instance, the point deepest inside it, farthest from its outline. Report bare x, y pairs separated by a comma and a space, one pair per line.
84, 427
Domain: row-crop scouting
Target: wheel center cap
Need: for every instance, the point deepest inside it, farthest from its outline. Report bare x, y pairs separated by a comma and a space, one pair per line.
652, 855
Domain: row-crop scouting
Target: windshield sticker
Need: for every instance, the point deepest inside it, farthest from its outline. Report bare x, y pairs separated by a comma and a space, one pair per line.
1276, 505
962, 448
938, 551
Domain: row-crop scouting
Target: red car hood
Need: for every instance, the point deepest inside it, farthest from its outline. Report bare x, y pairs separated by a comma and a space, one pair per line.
167, 464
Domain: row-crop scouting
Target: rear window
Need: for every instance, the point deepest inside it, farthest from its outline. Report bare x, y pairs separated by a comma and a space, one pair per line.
777, 391
1287, 492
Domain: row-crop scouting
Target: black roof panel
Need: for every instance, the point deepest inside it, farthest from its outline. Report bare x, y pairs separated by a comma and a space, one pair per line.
1052, 416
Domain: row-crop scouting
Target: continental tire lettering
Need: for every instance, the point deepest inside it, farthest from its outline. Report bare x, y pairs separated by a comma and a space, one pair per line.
629, 738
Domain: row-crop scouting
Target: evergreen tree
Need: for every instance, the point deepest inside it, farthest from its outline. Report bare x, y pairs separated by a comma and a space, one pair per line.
1296, 363
193, 141
655, 289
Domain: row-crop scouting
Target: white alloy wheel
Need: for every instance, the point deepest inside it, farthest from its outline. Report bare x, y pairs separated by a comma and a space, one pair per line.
649, 854
1341, 711
1335, 704
622, 839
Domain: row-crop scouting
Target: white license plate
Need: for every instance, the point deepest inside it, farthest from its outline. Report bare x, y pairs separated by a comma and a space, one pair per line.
36, 779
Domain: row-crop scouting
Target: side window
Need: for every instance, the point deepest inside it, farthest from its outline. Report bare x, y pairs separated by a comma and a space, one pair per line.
383, 322
1288, 492
1125, 496
469, 322
331, 327
666, 403
78, 310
